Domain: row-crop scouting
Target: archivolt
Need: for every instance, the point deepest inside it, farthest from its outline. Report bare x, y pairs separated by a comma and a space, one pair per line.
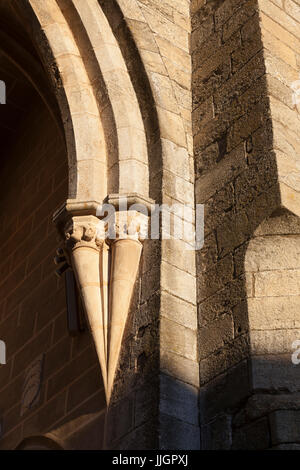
104, 129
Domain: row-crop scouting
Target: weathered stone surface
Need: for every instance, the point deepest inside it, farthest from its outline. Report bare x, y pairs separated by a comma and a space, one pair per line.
240, 318
273, 341
215, 278
238, 19
229, 356
166, 28
281, 223
273, 283
178, 311
225, 10
180, 367
287, 21
178, 282
278, 50
179, 400
214, 335
255, 436
178, 339
204, 30
274, 312
277, 29
228, 391
285, 426
275, 373
271, 253
251, 44
233, 232
216, 435
222, 302
228, 168
261, 404
176, 434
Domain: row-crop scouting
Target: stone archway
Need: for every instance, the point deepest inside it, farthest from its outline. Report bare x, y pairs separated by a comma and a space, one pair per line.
97, 83
33, 184
98, 105
96, 98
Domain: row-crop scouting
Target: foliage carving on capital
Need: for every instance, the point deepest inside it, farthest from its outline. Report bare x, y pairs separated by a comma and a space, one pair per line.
85, 231
130, 225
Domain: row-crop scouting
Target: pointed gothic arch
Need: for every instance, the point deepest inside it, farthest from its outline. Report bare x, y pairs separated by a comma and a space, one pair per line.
104, 129
106, 146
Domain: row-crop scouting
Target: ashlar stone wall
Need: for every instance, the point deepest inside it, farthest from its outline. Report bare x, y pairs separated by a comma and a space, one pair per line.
245, 127
51, 383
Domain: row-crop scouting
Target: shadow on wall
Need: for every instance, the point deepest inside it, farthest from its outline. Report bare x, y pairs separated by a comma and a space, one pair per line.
248, 270
143, 92
238, 413
247, 329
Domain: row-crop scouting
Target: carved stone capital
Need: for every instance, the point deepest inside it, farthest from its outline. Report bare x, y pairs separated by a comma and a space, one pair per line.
130, 225
106, 303
85, 237
86, 231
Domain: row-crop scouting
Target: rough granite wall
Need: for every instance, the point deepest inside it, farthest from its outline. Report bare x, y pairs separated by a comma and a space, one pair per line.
244, 124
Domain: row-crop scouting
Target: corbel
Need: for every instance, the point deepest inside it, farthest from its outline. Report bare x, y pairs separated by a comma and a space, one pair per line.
85, 239
127, 231
105, 258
